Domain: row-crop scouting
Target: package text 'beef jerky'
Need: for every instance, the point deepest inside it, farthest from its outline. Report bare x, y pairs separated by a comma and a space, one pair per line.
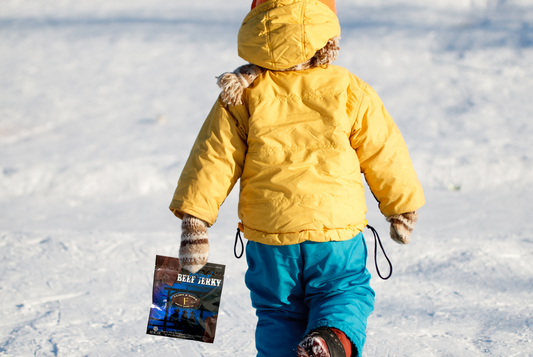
185, 305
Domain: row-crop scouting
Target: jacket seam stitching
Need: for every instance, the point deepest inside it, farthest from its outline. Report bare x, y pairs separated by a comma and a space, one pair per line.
347, 228
323, 197
269, 40
294, 97
359, 102
302, 29
295, 148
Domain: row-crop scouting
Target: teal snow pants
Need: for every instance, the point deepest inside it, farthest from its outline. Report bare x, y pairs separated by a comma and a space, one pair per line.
297, 288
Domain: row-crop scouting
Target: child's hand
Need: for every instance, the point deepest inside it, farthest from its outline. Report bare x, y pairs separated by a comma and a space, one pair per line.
401, 226
194, 249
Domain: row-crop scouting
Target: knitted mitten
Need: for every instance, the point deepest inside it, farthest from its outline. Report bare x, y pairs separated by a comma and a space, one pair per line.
401, 226
194, 249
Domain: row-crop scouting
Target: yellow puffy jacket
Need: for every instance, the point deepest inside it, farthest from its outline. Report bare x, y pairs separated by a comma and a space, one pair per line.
299, 144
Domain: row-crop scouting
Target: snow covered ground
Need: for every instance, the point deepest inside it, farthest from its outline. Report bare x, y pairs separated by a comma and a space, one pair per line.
100, 102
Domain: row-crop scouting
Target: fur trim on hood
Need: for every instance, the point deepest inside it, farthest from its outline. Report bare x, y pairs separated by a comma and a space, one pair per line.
234, 83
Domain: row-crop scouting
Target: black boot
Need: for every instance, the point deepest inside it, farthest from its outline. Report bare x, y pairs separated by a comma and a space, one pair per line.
321, 342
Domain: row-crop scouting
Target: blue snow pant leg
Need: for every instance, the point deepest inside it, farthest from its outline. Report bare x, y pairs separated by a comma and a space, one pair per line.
297, 288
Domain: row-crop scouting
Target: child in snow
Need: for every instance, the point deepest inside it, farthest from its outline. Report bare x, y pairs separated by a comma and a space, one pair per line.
298, 132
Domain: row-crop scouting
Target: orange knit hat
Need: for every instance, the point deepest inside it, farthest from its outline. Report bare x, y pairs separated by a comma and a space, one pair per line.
328, 3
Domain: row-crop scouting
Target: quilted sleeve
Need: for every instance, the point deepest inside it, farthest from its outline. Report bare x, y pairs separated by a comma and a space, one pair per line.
384, 158
214, 165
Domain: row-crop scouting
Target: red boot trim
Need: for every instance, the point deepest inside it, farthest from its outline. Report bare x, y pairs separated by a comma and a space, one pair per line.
346, 343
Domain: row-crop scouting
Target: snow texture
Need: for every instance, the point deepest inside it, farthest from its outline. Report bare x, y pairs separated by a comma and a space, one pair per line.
100, 102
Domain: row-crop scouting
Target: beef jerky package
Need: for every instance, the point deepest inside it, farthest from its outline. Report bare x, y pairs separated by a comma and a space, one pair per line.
185, 305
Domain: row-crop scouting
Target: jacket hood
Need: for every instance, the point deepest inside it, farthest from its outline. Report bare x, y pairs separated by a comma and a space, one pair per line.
279, 34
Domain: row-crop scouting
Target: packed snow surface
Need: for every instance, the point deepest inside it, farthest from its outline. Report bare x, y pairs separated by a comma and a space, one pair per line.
100, 102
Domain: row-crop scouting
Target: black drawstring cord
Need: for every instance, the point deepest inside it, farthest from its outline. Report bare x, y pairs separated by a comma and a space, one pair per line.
376, 240
238, 237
